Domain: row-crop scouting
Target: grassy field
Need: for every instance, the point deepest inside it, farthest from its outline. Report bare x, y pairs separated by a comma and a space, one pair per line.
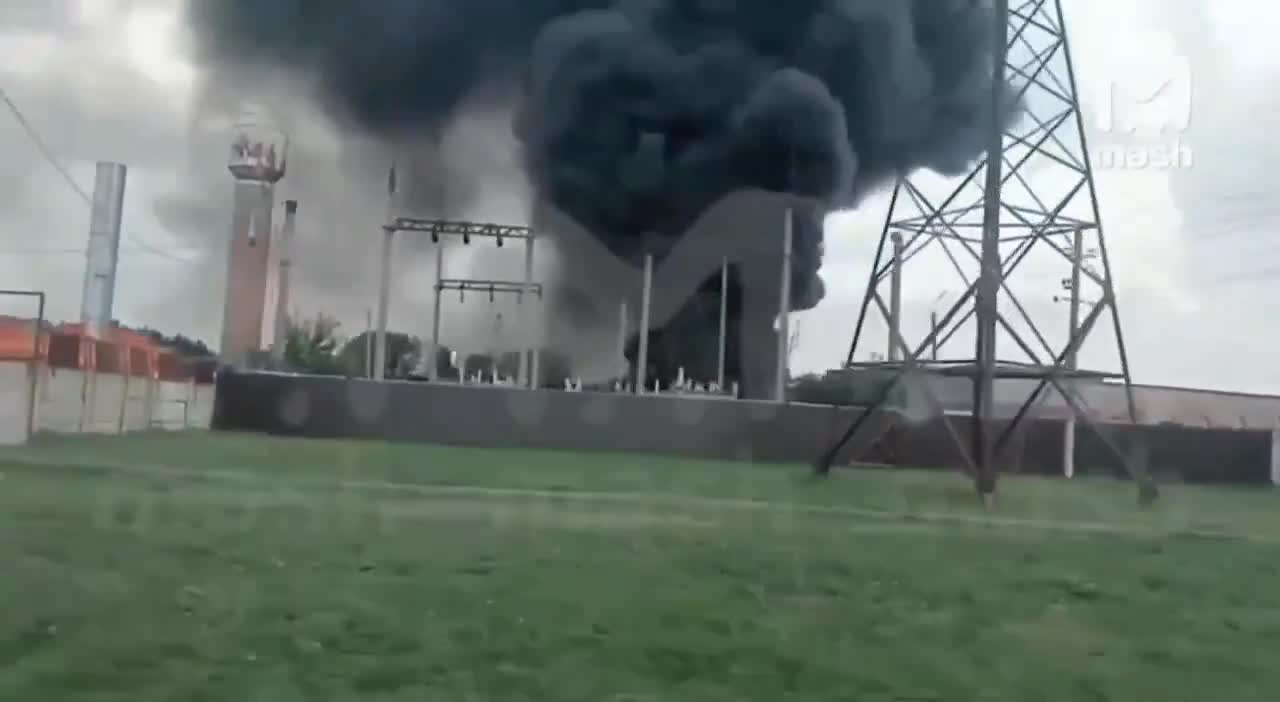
203, 567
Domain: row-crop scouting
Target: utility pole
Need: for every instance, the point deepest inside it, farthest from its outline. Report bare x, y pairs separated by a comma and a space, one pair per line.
784, 310
384, 300
368, 343
895, 300
1072, 361
524, 377
432, 369
642, 355
280, 334
495, 347
624, 326
384, 280
724, 321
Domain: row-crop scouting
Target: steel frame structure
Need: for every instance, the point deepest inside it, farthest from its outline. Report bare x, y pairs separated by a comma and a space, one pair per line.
493, 287
464, 230
1052, 133
437, 228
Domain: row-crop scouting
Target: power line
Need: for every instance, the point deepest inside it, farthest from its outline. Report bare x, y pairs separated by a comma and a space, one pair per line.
52, 159
73, 252
43, 148
40, 252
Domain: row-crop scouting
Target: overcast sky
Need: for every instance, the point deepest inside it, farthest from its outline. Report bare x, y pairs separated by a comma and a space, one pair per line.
1192, 243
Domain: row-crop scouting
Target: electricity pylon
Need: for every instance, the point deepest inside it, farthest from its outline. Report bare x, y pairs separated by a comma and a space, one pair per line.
1010, 234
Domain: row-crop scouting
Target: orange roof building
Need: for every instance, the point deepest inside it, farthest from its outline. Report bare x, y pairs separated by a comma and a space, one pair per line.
18, 338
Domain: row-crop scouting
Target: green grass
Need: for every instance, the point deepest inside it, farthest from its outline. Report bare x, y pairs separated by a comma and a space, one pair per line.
205, 567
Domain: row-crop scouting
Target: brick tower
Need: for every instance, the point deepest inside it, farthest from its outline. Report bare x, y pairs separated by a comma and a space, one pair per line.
257, 162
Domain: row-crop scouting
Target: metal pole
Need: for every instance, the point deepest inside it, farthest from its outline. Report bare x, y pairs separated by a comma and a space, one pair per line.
39, 354
495, 348
642, 357
282, 284
784, 310
988, 287
433, 362
623, 327
124, 393
384, 301
895, 299
933, 327
526, 319
1072, 359
368, 343
724, 321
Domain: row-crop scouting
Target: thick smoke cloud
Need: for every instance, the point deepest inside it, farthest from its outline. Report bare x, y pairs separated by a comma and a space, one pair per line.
635, 116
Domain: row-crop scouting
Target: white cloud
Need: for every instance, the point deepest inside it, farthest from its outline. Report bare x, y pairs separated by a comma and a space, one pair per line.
27, 54
1250, 27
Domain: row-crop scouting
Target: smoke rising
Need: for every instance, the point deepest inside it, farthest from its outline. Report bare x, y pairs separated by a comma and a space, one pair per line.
635, 116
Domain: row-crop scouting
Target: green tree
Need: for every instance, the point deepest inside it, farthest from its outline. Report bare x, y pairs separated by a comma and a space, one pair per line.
403, 354
180, 343
857, 388
311, 346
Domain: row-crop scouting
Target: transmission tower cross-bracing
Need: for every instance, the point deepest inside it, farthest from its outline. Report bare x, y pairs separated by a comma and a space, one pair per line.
1034, 219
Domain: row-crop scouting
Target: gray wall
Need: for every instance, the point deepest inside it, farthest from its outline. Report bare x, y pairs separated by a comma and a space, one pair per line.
506, 417
321, 407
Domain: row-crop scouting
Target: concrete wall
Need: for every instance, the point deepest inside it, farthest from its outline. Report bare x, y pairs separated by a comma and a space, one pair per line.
182, 405
691, 426
74, 401
15, 402
59, 400
106, 402
137, 411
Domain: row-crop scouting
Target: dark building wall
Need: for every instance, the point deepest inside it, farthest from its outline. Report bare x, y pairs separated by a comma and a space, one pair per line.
334, 407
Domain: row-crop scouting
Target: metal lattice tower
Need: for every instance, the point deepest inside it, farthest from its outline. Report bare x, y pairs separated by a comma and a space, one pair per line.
1044, 237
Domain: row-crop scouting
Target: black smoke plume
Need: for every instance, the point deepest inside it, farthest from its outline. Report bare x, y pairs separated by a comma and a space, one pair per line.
636, 115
